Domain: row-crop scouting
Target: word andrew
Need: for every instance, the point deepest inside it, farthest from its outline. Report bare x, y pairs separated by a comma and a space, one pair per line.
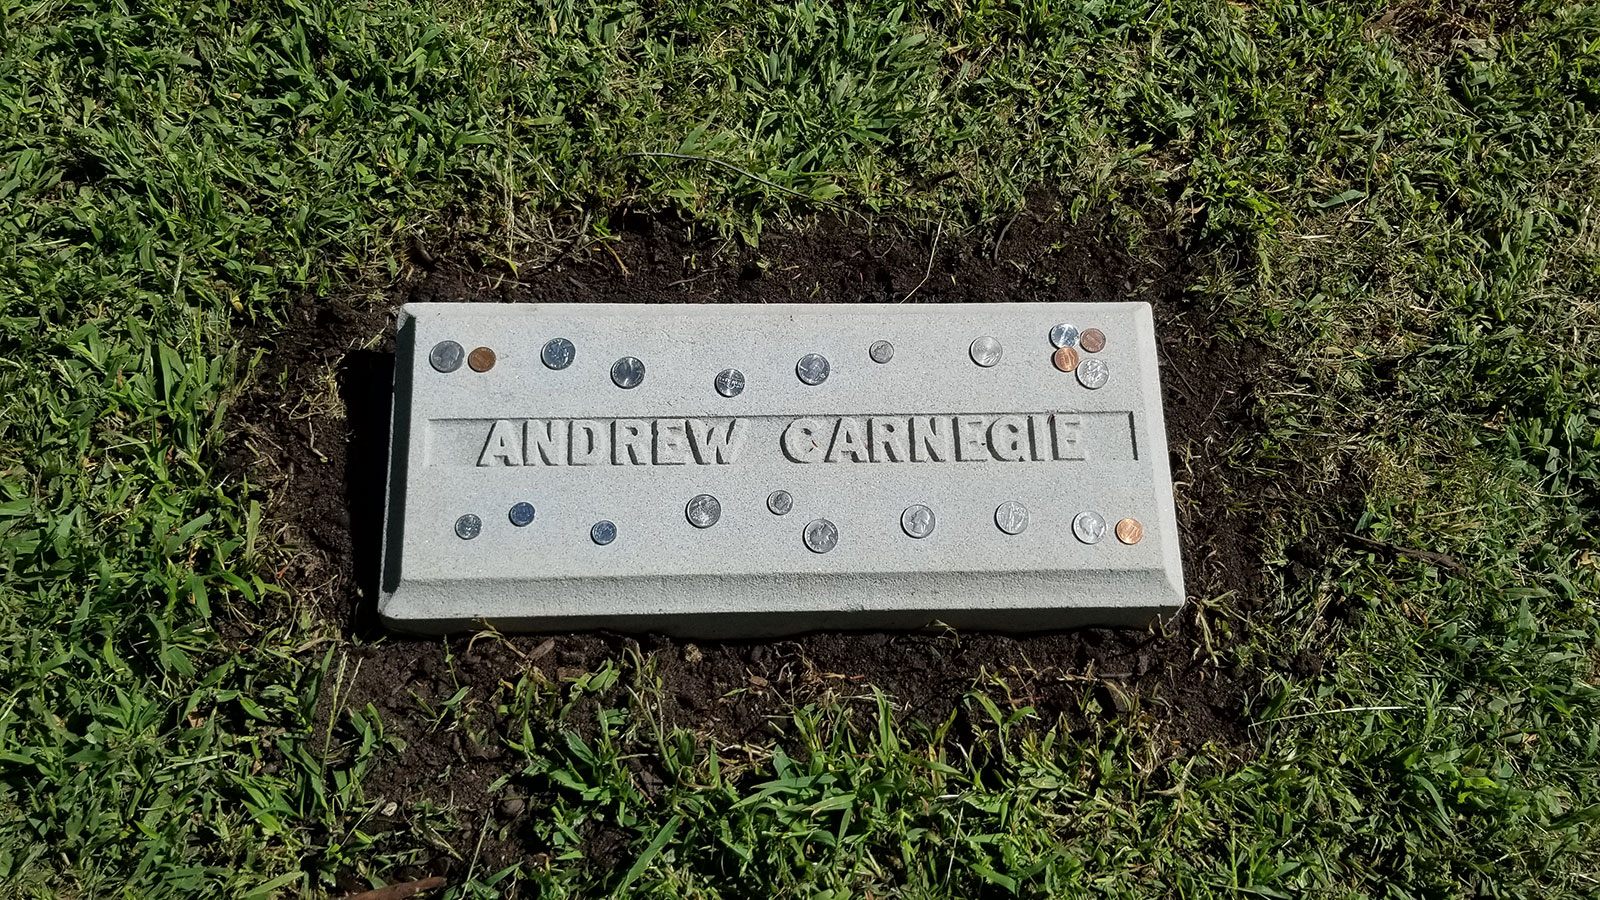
668, 442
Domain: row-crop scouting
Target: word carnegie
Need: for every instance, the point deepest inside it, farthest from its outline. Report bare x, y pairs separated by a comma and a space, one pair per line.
834, 439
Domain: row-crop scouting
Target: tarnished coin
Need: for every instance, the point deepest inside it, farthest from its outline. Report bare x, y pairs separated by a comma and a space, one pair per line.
812, 368
446, 356
1129, 531
1066, 359
821, 535
1093, 340
1093, 373
603, 532
986, 351
703, 510
1011, 517
881, 351
481, 360
627, 372
521, 514
730, 382
558, 353
1089, 527
468, 527
1064, 335
780, 502
917, 520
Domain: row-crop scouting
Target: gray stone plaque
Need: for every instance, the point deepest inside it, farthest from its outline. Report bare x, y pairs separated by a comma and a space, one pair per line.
956, 484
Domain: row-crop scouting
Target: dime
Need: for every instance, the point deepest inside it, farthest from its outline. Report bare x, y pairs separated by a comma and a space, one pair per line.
1011, 517
521, 514
730, 382
468, 527
603, 532
881, 351
780, 502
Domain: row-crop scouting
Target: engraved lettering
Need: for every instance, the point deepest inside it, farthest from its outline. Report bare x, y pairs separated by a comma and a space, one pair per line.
802, 441
1068, 429
849, 439
504, 447
1008, 438
1039, 431
888, 439
672, 442
588, 444
547, 442
630, 442
932, 439
970, 443
718, 440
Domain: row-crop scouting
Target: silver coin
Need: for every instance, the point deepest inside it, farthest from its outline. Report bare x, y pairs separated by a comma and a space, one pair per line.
447, 356
1064, 335
603, 532
917, 521
1093, 373
780, 502
627, 372
703, 510
1089, 527
881, 351
821, 535
812, 368
1011, 517
730, 382
558, 353
986, 351
468, 527
521, 514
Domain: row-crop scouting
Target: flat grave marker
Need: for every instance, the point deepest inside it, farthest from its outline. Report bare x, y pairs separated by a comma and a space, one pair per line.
754, 470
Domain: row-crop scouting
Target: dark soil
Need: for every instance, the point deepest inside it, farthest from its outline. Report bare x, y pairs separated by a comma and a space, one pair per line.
295, 443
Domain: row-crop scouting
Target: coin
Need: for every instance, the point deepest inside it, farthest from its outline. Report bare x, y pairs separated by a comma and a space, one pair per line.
881, 351
780, 502
986, 351
1011, 517
468, 527
521, 514
812, 368
481, 360
446, 356
1129, 531
603, 532
917, 521
1093, 374
627, 372
1093, 340
1064, 335
703, 511
1089, 527
821, 535
558, 353
730, 382
1066, 359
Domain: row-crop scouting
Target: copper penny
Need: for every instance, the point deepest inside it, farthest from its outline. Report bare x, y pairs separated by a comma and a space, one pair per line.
481, 359
1129, 531
1066, 359
1092, 340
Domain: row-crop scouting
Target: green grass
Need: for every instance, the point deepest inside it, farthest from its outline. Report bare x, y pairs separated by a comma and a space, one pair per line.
1400, 201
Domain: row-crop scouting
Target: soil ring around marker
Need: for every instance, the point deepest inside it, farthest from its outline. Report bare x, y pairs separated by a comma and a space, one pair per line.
319, 491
